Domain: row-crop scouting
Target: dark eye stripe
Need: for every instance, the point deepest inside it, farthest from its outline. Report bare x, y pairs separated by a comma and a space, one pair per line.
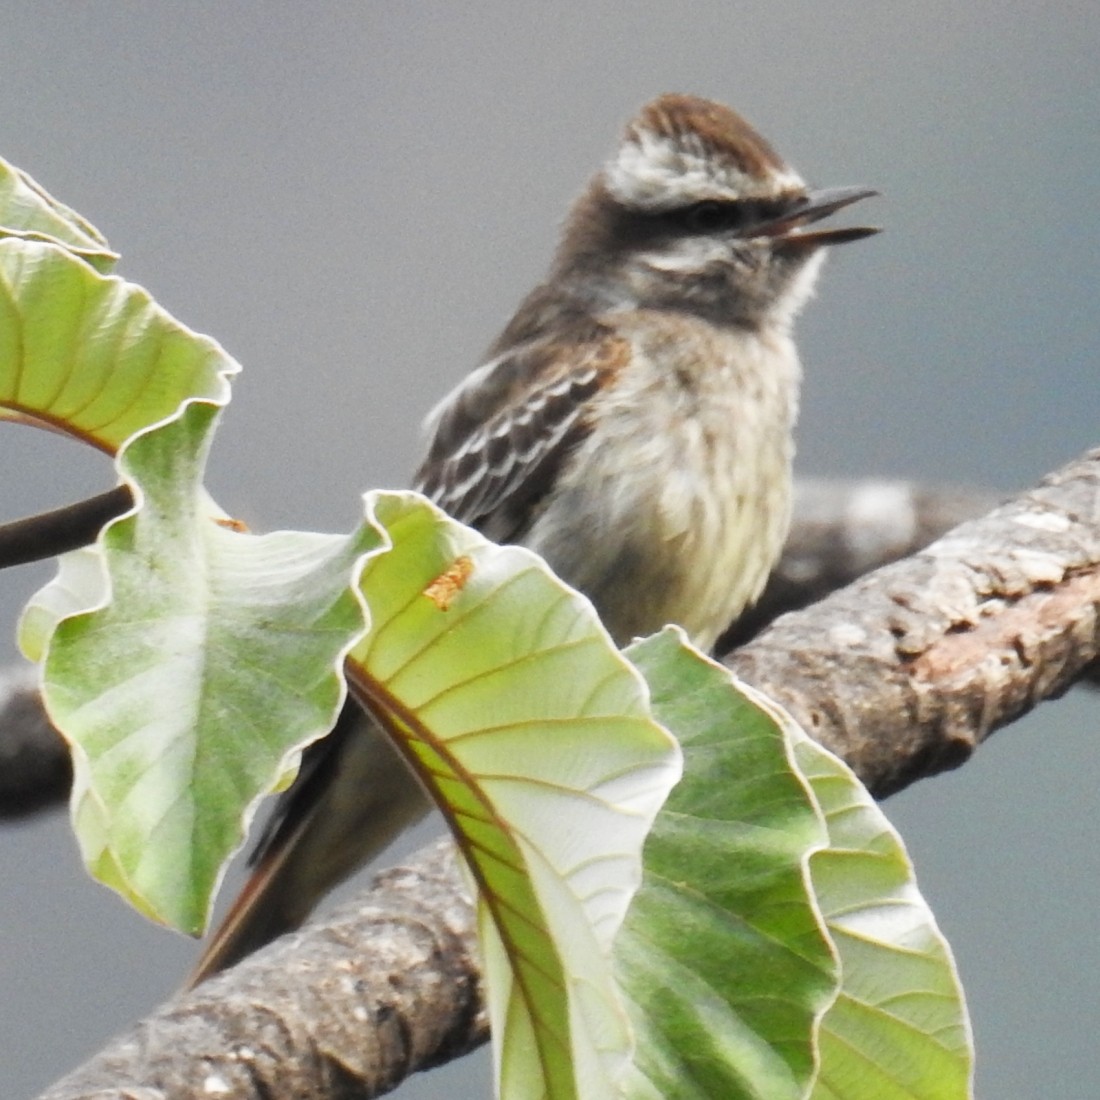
722, 216
712, 216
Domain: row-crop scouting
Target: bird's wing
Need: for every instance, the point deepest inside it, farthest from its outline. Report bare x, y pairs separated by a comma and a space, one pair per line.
499, 439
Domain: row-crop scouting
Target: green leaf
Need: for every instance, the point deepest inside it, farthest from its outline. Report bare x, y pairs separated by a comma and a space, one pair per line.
733, 990
535, 737
898, 1029
723, 955
186, 661
92, 355
28, 211
209, 658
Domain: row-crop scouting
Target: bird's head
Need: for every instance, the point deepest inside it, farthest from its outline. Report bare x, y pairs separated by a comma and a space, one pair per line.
695, 211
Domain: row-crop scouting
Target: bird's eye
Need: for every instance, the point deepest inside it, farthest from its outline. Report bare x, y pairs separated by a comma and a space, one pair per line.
711, 216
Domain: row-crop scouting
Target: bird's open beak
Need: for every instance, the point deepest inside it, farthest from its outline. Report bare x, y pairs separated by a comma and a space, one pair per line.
790, 227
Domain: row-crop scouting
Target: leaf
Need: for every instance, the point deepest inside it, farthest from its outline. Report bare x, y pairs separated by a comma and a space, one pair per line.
92, 355
534, 735
898, 1029
209, 658
169, 646
723, 956
189, 662
28, 211
733, 989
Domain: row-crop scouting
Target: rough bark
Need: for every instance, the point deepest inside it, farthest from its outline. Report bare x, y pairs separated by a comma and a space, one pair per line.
907, 670
316, 1016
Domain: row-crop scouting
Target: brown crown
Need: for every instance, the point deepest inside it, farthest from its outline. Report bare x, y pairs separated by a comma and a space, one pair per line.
689, 120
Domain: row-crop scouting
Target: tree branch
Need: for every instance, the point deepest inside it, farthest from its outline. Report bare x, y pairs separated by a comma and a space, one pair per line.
904, 673
843, 529
48, 534
317, 1015
35, 769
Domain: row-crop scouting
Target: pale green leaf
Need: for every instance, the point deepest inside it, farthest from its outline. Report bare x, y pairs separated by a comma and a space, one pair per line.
723, 955
27, 210
185, 660
898, 1029
208, 658
535, 736
93, 355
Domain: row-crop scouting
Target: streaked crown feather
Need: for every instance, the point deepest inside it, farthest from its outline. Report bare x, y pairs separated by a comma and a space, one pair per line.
681, 149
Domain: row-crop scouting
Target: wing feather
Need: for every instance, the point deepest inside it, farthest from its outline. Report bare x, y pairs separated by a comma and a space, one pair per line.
499, 440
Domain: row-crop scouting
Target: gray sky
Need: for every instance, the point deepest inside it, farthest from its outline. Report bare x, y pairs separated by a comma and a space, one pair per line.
353, 197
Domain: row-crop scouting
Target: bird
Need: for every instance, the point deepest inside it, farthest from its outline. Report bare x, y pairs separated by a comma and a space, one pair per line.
633, 424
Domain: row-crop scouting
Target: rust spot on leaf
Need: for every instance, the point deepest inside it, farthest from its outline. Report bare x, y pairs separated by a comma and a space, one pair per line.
231, 524
443, 590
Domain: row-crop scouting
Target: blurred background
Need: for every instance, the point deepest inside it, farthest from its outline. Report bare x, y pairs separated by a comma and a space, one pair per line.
352, 197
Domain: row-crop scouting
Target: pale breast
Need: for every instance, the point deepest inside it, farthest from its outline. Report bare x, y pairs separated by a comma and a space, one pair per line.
676, 506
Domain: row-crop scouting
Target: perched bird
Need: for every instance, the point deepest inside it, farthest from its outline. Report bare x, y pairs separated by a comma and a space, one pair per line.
632, 424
